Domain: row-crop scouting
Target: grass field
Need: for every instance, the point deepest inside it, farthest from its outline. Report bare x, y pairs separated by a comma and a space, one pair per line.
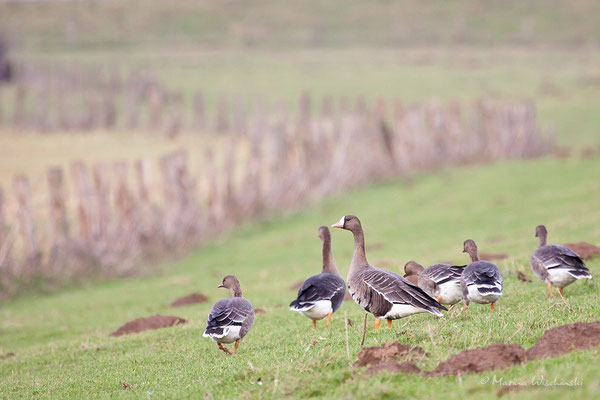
545, 51
61, 342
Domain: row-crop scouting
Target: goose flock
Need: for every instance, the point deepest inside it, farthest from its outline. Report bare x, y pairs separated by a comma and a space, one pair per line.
388, 295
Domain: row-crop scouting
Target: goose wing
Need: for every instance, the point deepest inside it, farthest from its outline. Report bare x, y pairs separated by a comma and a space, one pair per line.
319, 287
485, 276
442, 273
554, 256
394, 289
226, 313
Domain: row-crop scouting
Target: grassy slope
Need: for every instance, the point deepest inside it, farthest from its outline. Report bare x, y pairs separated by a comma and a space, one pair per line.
273, 24
62, 348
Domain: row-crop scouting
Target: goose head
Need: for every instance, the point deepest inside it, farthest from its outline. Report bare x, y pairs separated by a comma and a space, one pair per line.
470, 247
324, 233
412, 268
348, 222
542, 233
231, 282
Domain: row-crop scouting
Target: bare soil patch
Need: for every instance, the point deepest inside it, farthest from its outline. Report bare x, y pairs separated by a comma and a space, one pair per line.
259, 311
389, 351
585, 250
556, 341
7, 355
566, 338
154, 322
192, 298
493, 256
496, 356
522, 277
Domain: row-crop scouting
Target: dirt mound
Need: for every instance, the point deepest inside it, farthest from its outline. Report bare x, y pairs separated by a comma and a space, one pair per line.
153, 322
566, 338
259, 311
192, 298
389, 351
584, 249
522, 277
496, 356
393, 366
493, 256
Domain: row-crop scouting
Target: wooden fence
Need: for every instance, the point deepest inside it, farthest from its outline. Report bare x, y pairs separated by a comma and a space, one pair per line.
109, 219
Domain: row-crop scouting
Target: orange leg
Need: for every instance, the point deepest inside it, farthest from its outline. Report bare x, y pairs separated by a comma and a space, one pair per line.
314, 324
560, 290
389, 323
466, 307
328, 319
492, 306
225, 349
237, 343
377, 322
550, 289
439, 298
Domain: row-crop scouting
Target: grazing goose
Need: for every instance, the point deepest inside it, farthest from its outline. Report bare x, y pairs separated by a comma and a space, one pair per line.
440, 281
382, 293
556, 265
321, 295
481, 281
230, 319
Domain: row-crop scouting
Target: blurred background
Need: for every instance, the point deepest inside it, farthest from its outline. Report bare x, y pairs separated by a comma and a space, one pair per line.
134, 131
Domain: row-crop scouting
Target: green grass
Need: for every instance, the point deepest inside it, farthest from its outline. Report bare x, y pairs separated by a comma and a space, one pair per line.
273, 24
61, 342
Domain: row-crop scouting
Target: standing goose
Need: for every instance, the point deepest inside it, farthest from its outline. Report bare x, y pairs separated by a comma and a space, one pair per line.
382, 293
440, 281
230, 319
556, 265
481, 281
321, 295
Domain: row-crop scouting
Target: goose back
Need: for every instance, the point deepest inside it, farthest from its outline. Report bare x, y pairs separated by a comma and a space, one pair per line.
558, 265
379, 291
229, 319
481, 282
324, 286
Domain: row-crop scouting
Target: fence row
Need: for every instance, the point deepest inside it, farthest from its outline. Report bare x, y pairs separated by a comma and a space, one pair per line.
107, 219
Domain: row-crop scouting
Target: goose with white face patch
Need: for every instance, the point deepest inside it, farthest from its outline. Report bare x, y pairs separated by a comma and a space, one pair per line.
230, 319
481, 281
382, 293
321, 295
556, 265
440, 281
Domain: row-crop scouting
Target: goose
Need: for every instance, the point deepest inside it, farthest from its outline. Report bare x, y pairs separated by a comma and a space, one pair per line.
481, 281
321, 295
556, 265
440, 281
384, 294
230, 319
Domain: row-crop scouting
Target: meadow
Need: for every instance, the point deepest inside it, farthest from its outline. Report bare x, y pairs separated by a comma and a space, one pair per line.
61, 342
56, 343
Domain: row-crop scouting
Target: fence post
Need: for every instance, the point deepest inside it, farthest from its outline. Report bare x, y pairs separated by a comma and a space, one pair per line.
101, 195
83, 189
125, 207
58, 217
26, 225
